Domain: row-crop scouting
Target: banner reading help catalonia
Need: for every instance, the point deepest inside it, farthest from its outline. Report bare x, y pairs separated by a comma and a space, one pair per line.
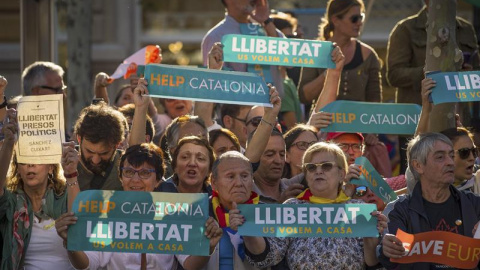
373, 180
371, 117
206, 85
440, 247
140, 222
277, 51
455, 86
40, 129
308, 220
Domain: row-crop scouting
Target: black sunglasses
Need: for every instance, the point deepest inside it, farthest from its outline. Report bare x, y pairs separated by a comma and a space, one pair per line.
56, 89
360, 191
325, 166
356, 18
464, 153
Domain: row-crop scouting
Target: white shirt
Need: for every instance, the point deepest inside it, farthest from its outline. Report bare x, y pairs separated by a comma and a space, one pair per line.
45, 250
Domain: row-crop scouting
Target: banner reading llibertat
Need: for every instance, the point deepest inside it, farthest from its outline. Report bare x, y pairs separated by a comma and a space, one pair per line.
41, 129
308, 220
140, 222
455, 86
208, 85
277, 51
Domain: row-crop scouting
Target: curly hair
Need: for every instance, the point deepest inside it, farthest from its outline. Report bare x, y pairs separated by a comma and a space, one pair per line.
336, 8
56, 180
101, 123
148, 153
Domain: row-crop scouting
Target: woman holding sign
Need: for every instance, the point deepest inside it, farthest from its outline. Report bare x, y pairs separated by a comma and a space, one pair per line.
35, 196
324, 165
142, 168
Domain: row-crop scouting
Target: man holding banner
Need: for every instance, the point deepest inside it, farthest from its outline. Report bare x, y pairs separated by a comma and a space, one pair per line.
434, 205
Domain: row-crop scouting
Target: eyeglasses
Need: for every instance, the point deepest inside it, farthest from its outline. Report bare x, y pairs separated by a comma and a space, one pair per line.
239, 119
360, 191
56, 89
356, 18
355, 147
325, 166
142, 173
464, 153
302, 145
255, 121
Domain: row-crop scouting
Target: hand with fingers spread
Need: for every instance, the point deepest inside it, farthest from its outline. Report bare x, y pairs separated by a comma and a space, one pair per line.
140, 94
215, 56
213, 232
320, 119
392, 246
235, 217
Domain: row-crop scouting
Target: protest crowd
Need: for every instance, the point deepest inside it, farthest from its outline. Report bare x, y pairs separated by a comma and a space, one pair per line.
292, 169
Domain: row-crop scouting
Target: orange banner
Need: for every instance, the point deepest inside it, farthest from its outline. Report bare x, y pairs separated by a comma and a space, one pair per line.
440, 247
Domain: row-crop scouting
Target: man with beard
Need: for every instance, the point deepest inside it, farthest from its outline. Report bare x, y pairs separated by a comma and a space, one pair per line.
99, 129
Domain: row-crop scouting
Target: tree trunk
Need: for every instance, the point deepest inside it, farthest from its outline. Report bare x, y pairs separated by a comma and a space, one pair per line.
79, 20
442, 55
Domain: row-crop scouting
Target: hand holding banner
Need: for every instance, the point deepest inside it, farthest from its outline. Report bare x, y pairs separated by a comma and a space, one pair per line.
140, 222
455, 86
277, 51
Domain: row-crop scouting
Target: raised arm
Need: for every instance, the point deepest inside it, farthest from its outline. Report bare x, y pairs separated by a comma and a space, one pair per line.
142, 101
70, 158
423, 123
3, 85
102, 80
10, 130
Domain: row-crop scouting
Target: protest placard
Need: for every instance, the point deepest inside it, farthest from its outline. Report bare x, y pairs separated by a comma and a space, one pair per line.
308, 220
277, 51
439, 247
370, 178
206, 85
140, 222
40, 129
455, 86
371, 117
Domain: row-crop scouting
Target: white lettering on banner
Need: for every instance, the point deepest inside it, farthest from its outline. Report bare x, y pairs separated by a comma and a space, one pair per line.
227, 86
161, 208
472, 81
392, 119
275, 46
306, 215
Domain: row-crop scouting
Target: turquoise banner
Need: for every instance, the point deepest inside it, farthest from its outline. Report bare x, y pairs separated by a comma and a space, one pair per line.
277, 51
308, 220
373, 180
140, 70
140, 222
371, 117
455, 86
208, 85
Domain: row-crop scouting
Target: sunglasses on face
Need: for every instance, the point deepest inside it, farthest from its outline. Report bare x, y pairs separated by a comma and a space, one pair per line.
142, 173
255, 121
464, 153
55, 89
360, 191
302, 145
325, 166
357, 18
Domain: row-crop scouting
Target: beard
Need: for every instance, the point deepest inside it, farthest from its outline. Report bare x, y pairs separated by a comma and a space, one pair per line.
97, 169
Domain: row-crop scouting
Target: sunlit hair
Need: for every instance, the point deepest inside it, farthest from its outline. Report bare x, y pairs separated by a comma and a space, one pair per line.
34, 75
454, 133
335, 8
197, 141
148, 153
419, 147
325, 147
56, 180
216, 133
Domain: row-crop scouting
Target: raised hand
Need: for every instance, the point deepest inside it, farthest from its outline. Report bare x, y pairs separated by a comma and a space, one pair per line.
321, 119
235, 217
140, 94
10, 126
337, 57
70, 158
215, 56
62, 223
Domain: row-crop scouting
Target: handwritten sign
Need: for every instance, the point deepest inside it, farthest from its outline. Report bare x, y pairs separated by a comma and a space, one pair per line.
206, 85
40, 129
308, 220
455, 86
371, 117
440, 247
140, 222
277, 51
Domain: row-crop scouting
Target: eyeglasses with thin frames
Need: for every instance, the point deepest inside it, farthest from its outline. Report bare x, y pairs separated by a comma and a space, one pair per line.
239, 119
142, 173
356, 147
303, 145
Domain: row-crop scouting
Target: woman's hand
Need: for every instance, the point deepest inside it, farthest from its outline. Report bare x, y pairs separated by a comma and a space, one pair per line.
337, 57
140, 94
215, 56
236, 219
62, 223
353, 172
213, 232
70, 158
10, 126
320, 119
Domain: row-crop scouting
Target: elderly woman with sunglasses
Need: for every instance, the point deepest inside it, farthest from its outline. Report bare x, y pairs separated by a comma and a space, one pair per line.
324, 165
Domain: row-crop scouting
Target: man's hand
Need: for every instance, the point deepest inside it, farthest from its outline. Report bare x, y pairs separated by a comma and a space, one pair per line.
140, 94
392, 246
261, 11
215, 56
291, 192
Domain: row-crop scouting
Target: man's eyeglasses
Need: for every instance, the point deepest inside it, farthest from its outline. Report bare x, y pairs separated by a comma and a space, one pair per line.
360, 191
57, 90
142, 173
239, 119
255, 121
303, 145
464, 153
325, 166
356, 18
355, 147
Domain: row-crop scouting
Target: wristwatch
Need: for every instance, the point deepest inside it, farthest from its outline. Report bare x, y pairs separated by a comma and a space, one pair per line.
5, 103
267, 21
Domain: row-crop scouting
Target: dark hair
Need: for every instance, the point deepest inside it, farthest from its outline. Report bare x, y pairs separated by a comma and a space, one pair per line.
128, 111
173, 129
230, 110
216, 133
120, 92
290, 137
197, 141
275, 132
101, 123
335, 8
139, 154
454, 133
